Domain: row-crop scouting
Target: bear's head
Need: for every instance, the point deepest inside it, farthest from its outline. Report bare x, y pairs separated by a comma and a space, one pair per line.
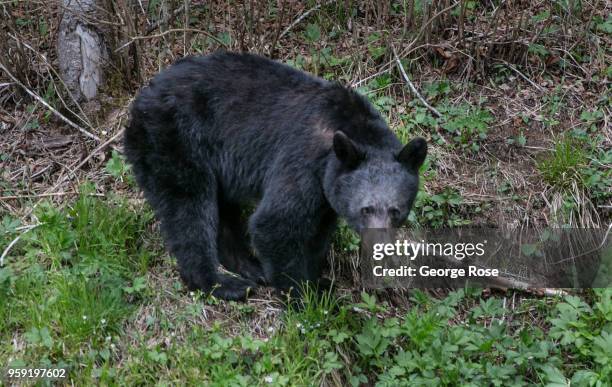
372, 187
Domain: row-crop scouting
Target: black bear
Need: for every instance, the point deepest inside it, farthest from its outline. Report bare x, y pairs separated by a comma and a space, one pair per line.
213, 134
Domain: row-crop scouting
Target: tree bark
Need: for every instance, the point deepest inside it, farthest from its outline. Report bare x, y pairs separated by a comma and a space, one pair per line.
82, 51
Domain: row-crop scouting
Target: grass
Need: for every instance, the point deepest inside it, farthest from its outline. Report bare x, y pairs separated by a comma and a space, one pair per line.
78, 291
564, 165
578, 170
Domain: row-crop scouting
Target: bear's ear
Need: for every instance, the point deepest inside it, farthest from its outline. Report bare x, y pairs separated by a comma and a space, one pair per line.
413, 154
346, 150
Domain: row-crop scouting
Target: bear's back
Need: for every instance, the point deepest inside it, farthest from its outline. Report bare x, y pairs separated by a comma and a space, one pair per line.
243, 115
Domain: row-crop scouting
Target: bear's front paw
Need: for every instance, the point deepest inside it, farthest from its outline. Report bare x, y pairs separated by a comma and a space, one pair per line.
233, 288
251, 270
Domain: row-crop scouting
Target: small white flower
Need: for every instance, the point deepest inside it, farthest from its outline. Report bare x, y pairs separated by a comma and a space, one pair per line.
298, 325
112, 346
270, 329
192, 294
84, 317
108, 338
104, 132
325, 312
269, 379
103, 321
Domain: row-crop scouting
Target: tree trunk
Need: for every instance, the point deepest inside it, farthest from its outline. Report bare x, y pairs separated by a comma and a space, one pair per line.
82, 51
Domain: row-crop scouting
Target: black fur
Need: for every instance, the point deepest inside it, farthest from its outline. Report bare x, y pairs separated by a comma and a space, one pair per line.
212, 134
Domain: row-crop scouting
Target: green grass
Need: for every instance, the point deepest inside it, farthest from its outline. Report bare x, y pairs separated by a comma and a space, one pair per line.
63, 286
578, 169
77, 291
564, 165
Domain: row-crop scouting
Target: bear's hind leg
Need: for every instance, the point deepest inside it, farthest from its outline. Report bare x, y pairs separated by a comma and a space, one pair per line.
234, 250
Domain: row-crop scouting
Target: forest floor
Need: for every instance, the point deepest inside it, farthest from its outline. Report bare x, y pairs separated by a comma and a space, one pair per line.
523, 139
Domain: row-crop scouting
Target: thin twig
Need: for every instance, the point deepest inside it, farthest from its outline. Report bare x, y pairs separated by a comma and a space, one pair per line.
388, 66
429, 21
523, 76
51, 108
44, 195
164, 20
73, 172
135, 38
52, 70
412, 88
94, 152
10, 245
298, 20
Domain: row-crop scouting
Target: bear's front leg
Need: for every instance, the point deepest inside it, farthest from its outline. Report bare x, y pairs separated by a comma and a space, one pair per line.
291, 238
190, 224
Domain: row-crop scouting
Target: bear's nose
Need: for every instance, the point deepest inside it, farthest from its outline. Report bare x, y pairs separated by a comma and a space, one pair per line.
377, 220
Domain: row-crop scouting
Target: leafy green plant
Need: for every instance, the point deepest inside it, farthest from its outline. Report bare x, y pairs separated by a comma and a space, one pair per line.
591, 118
467, 125
442, 209
119, 169
375, 50
345, 239
602, 25
519, 140
372, 90
437, 89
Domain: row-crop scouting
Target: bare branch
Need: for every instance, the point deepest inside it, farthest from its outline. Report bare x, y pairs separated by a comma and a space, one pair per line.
135, 38
411, 86
51, 108
10, 245
299, 19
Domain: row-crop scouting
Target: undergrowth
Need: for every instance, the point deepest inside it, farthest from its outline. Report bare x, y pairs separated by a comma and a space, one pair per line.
72, 288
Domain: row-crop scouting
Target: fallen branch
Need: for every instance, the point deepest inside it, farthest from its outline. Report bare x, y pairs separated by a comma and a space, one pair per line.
505, 282
411, 86
388, 66
51, 108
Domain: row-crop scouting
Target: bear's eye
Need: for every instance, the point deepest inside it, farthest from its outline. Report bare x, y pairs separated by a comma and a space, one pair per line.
394, 213
369, 210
